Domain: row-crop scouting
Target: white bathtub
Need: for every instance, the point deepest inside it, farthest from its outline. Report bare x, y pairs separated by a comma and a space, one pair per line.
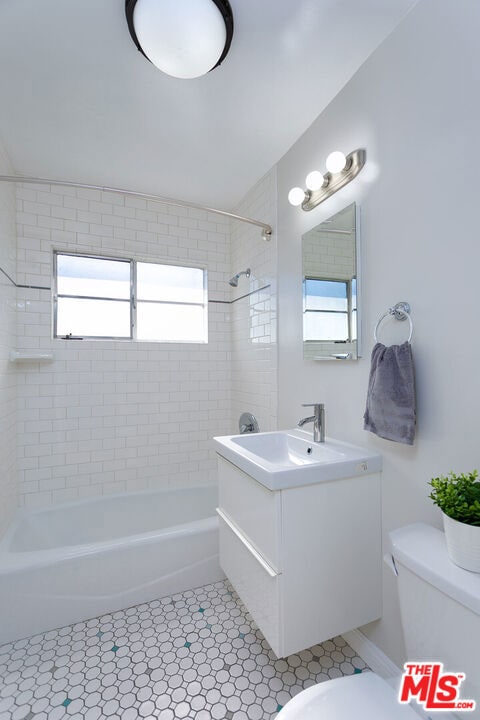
69, 563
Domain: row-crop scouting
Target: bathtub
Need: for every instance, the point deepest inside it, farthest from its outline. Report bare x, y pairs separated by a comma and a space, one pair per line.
69, 563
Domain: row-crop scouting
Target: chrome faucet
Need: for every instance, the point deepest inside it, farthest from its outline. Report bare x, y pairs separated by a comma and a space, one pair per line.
318, 419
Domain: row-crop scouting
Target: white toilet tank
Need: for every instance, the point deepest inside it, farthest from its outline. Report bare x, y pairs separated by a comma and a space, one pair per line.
440, 606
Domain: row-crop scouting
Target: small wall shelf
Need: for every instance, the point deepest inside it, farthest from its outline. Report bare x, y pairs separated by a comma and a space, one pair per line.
16, 356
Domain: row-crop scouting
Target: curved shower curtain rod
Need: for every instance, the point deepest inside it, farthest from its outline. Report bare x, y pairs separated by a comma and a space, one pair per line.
266, 229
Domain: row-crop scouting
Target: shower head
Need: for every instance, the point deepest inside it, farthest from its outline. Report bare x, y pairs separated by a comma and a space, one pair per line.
234, 280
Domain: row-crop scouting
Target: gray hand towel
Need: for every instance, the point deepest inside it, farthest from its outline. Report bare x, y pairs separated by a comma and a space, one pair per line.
390, 410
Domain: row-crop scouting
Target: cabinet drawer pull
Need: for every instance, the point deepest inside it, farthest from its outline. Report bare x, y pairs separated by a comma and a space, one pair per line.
268, 568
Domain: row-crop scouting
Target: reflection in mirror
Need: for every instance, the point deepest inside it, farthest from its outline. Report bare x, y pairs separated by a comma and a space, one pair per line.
330, 288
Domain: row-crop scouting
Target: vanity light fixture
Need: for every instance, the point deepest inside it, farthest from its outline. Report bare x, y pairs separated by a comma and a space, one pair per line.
183, 39
336, 162
314, 180
340, 170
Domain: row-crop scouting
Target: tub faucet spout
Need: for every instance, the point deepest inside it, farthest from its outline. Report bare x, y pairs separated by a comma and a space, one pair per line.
318, 419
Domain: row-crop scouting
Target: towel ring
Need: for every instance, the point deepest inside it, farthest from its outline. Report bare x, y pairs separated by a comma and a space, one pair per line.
400, 311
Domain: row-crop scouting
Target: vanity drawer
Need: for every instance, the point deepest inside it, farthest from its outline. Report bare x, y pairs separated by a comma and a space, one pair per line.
258, 588
255, 510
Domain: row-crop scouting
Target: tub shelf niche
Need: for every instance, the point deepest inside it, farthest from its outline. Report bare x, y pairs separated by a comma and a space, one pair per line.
17, 357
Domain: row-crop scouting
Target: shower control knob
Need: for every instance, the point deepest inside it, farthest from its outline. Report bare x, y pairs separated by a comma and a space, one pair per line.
247, 423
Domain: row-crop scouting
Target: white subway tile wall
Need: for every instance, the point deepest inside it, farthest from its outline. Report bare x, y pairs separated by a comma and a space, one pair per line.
328, 255
254, 316
105, 416
8, 483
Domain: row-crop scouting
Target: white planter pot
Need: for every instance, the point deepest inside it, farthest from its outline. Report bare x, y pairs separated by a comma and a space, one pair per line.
463, 543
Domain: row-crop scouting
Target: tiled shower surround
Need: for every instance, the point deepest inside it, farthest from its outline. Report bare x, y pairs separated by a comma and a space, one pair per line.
196, 655
107, 417
254, 341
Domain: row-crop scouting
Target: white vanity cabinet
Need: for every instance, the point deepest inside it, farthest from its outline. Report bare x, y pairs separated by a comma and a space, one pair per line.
306, 561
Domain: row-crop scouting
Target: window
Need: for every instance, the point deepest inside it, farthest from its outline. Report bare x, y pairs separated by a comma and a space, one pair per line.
329, 312
110, 298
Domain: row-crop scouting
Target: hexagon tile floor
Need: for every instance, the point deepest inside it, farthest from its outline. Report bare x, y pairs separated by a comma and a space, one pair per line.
197, 655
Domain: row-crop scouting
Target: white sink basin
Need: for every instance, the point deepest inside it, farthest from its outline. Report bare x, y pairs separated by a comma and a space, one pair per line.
290, 458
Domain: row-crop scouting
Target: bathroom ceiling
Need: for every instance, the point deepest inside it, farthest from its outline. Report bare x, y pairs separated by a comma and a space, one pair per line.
79, 102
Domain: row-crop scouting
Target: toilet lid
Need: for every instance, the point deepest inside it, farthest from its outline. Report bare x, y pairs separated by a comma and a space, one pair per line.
357, 697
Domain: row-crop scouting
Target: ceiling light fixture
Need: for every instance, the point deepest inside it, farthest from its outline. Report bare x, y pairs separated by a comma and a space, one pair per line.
184, 39
341, 170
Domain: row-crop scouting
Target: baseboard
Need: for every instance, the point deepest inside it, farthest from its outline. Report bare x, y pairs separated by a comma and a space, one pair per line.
373, 656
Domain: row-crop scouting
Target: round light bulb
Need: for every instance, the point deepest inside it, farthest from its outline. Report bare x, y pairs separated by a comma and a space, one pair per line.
296, 196
184, 39
336, 162
314, 180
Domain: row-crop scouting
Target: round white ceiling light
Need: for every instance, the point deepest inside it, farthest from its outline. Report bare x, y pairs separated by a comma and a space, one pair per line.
183, 39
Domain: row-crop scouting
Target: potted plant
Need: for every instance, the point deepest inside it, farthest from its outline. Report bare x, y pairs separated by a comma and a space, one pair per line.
458, 497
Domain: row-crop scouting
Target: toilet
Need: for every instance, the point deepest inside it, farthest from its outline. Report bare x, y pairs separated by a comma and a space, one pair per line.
440, 611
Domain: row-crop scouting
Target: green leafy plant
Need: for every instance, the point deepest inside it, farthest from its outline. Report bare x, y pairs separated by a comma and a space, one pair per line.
458, 496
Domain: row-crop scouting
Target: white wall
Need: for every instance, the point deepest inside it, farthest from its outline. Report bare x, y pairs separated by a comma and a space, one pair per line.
414, 105
8, 487
112, 416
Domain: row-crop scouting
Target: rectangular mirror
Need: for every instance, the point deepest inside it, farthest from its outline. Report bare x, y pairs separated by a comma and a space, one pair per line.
331, 326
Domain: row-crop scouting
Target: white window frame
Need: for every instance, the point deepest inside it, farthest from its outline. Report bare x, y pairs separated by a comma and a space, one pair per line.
132, 299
